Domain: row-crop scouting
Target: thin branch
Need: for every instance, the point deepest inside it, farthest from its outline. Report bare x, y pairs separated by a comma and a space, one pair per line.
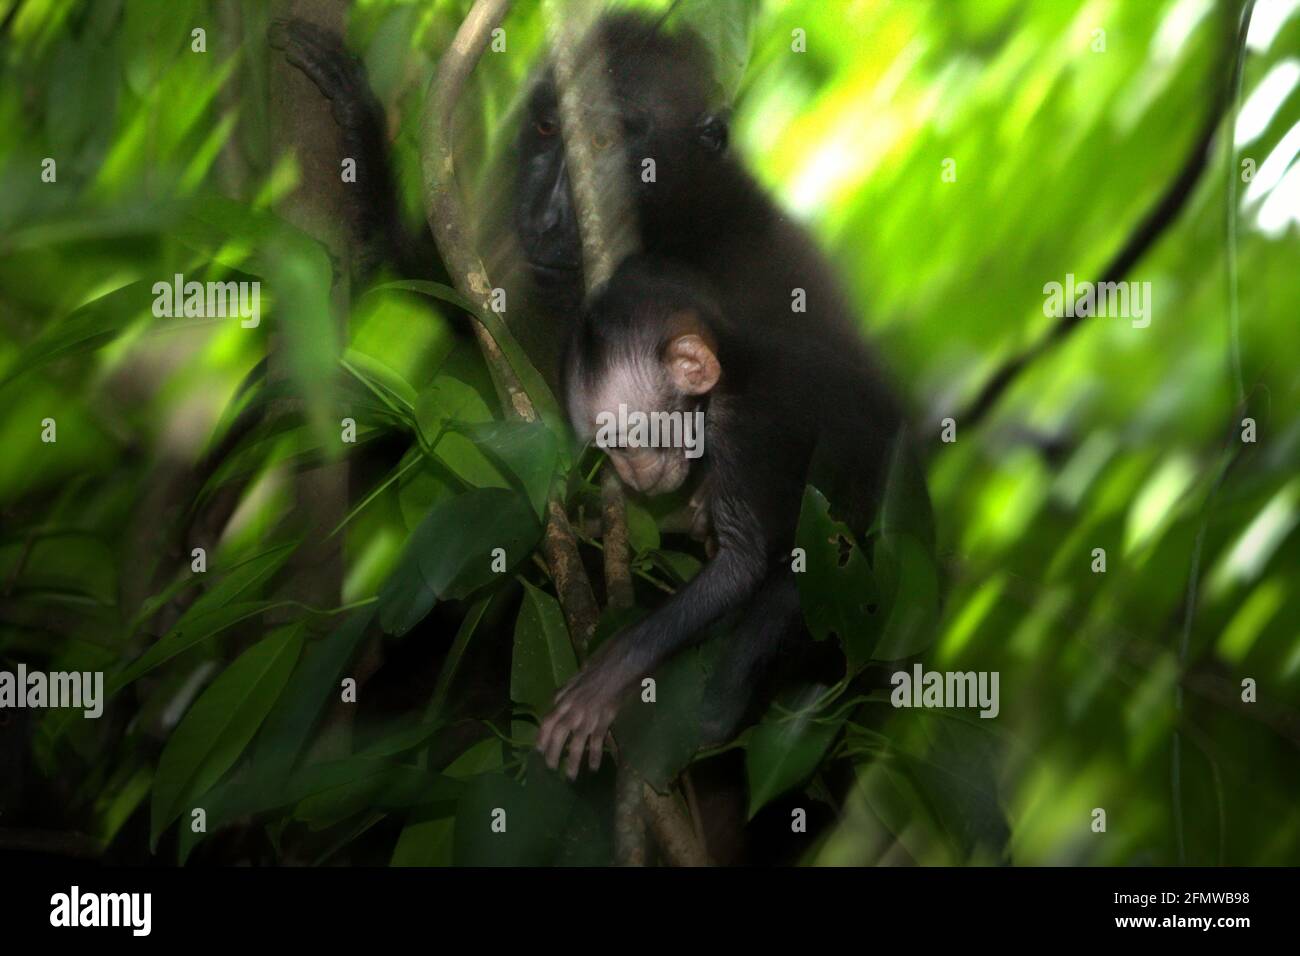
607, 225
629, 819
606, 219
672, 829
448, 223
442, 201
572, 587
617, 550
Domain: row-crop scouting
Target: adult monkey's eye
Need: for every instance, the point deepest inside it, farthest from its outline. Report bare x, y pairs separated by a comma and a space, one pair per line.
546, 127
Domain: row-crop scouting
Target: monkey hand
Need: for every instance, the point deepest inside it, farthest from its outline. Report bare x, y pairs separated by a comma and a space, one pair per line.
584, 709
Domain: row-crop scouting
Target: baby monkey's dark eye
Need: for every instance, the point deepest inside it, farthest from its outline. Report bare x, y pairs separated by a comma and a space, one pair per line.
546, 127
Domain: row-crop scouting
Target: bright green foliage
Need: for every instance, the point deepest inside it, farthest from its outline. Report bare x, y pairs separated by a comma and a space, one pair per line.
953, 157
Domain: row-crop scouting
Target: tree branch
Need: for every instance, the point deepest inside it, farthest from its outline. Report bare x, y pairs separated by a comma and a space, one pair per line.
448, 223
607, 225
617, 550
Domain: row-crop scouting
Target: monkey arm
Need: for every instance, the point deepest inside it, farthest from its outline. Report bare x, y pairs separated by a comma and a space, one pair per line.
724, 584
585, 707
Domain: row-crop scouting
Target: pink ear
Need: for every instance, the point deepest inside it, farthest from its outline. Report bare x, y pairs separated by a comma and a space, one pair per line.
692, 366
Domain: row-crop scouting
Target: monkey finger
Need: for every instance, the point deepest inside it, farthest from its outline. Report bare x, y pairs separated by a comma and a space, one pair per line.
544, 730
563, 730
597, 750
576, 747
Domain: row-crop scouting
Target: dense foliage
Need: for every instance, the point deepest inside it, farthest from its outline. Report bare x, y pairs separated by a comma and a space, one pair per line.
952, 157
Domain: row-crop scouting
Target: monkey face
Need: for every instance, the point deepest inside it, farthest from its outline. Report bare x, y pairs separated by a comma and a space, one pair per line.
645, 409
658, 131
633, 412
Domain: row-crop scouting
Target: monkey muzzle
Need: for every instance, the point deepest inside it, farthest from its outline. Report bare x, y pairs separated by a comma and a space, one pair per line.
651, 471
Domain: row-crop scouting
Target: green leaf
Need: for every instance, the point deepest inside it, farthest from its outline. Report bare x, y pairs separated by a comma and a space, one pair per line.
315, 682
450, 554
956, 772
236, 236
681, 567
907, 564
543, 655
251, 794
395, 787
837, 592
458, 394
906, 508
90, 327
429, 835
642, 531
787, 746
937, 789
528, 451
243, 576
532, 381
219, 726
395, 391
498, 825
913, 581
547, 820
195, 629
212, 613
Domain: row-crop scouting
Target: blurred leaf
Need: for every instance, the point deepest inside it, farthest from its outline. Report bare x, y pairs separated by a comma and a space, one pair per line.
90, 327
307, 332
726, 26
533, 382
211, 613
315, 682
912, 578
450, 554
219, 726
395, 787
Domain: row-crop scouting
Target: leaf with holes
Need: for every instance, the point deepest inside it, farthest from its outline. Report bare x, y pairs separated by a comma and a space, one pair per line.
837, 591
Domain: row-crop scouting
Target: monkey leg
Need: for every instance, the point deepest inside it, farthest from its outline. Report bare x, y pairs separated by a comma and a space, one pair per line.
768, 625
